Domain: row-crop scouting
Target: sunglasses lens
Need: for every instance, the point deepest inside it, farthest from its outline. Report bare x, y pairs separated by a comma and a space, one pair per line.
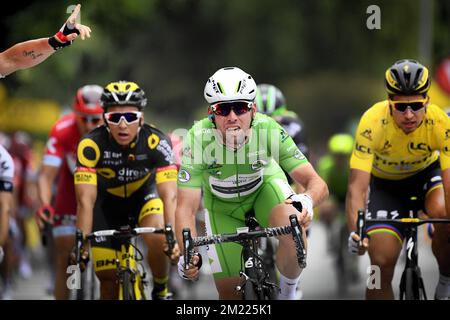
224, 109
114, 117
240, 108
415, 106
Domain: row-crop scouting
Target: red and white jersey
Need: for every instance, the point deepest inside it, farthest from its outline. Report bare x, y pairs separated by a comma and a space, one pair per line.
60, 152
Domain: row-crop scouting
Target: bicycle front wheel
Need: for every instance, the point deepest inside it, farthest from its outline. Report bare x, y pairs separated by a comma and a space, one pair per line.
412, 287
127, 287
251, 292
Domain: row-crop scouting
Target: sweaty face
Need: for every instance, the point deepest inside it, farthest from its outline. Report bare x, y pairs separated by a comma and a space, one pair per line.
234, 129
408, 111
123, 132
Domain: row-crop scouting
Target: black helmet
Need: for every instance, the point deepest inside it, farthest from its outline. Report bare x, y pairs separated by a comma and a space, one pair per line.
407, 77
123, 93
269, 98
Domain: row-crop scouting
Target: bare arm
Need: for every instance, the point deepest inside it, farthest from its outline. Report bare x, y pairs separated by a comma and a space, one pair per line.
6, 202
27, 54
167, 191
312, 182
45, 183
86, 195
24, 55
446, 184
187, 205
358, 185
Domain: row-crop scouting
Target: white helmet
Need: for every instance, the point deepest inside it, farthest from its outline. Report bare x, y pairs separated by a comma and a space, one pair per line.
230, 84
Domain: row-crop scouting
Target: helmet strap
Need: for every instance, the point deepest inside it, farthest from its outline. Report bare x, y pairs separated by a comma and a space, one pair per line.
211, 116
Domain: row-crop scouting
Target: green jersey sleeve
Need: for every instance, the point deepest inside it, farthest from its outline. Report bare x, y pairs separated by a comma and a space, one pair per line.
191, 169
290, 156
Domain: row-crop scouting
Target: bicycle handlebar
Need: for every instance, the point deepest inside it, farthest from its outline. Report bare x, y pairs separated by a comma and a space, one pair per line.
362, 222
124, 233
242, 236
408, 221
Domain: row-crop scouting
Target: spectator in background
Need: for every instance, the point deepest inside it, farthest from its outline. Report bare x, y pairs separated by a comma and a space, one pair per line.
27, 54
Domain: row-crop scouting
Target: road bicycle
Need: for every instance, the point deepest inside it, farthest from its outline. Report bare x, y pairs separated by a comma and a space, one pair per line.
411, 283
256, 284
130, 271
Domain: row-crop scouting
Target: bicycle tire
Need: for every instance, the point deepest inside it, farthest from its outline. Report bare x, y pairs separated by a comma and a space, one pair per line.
251, 293
411, 285
127, 286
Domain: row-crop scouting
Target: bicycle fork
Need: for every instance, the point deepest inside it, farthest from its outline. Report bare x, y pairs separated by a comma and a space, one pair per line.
411, 283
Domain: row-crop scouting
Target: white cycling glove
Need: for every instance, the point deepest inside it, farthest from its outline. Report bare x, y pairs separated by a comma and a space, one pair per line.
306, 201
353, 245
181, 267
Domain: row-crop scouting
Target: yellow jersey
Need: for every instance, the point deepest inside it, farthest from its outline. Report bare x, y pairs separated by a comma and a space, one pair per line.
384, 150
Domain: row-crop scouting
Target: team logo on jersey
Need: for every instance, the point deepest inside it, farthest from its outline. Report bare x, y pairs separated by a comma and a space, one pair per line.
418, 148
214, 165
429, 122
299, 155
362, 148
367, 134
184, 176
187, 152
385, 149
258, 164
447, 134
446, 150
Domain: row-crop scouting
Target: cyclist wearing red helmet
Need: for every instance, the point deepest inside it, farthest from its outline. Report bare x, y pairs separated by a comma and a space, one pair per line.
60, 160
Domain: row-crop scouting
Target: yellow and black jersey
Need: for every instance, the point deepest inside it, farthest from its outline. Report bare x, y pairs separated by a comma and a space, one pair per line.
383, 149
121, 172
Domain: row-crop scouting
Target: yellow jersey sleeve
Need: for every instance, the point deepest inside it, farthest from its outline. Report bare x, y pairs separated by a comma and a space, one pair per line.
363, 150
443, 138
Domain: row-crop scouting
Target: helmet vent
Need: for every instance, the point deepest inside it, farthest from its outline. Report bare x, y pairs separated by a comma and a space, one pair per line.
417, 77
238, 86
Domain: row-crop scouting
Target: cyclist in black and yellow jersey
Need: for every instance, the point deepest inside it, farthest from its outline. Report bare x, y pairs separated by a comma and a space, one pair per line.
401, 150
125, 170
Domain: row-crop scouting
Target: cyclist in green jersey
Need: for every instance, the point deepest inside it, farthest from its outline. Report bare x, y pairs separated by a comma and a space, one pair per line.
236, 156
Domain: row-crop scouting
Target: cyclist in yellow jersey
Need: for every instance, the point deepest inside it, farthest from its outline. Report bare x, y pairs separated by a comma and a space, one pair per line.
401, 150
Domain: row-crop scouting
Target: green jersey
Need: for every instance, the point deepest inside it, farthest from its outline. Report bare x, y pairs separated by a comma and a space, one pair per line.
236, 182
233, 175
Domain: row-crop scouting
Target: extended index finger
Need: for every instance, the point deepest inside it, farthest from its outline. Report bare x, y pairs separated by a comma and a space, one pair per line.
73, 17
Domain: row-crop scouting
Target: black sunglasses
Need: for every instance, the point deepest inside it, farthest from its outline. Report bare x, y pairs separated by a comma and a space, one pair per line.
224, 109
402, 106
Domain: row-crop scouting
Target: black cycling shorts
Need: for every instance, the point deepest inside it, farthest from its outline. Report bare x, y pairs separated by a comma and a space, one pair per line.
391, 199
112, 212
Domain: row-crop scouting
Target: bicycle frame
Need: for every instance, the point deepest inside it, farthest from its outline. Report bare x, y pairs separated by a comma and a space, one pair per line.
255, 277
127, 265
